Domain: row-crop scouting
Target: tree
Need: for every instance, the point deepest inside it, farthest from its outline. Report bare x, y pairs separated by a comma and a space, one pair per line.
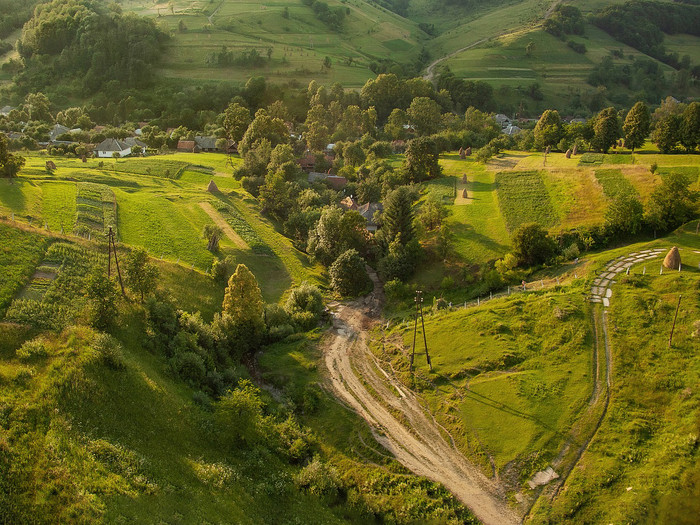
424, 114
636, 126
244, 306
548, 130
327, 63
264, 127
101, 294
625, 215
349, 276
10, 164
397, 218
532, 245
432, 213
667, 133
236, 121
690, 126
385, 93
422, 158
238, 415
212, 233
606, 129
141, 275
305, 305
672, 203
335, 233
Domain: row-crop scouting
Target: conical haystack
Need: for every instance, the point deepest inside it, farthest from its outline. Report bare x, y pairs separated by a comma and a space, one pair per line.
673, 259
212, 187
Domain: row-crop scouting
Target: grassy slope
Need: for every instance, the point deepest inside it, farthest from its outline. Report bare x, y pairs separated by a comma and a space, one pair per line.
158, 213
299, 43
643, 465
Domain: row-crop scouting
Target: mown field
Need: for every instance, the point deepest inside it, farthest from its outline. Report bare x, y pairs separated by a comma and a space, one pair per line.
299, 41
158, 207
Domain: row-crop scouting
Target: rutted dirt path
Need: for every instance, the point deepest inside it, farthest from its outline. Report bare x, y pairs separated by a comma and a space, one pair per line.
415, 440
225, 226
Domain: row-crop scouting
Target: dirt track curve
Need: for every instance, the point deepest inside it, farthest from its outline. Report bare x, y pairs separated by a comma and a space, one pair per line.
421, 448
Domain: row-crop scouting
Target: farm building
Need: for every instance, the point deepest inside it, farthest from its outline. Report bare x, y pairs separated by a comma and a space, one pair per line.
133, 141
188, 146
367, 211
6, 110
57, 131
334, 181
511, 130
108, 147
206, 143
502, 119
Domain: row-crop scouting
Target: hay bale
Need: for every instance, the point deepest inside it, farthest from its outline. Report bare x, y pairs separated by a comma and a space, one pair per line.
212, 188
673, 259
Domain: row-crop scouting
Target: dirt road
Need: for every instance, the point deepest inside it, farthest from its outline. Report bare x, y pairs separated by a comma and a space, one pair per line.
417, 441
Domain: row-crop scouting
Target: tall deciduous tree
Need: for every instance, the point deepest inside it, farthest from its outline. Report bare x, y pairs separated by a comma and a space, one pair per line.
244, 306
548, 130
141, 275
532, 245
349, 276
335, 233
422, 158
263, 127
606, 129
672, 203
690, 126
424, 114
636, 126
236, 121
624, 215
10, 164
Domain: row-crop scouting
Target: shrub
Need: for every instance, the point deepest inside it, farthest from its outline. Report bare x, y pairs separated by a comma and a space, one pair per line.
110, 352
190, 367
532, 245
349, 277
572, 252
319, 479
32, 349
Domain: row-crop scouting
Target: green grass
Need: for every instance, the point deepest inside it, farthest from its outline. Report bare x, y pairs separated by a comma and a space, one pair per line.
690, 172
59, 205
443, 189
20, 253
643, 463
523, 198
509, 378
154, 166
614, 183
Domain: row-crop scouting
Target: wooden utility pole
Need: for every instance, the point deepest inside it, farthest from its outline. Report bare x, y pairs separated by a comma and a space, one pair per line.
670, 337
112, 248
419, 312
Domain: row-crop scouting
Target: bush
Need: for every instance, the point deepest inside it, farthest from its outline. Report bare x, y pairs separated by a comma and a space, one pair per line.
572, 252
349, 276
190, 367
110, 352
532, 245
319, 479
32, 350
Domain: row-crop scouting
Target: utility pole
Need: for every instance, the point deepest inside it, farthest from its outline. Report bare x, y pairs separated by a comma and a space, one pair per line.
419, 312
112, 247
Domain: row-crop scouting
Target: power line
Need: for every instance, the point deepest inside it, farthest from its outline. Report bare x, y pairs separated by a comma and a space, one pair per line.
419, 312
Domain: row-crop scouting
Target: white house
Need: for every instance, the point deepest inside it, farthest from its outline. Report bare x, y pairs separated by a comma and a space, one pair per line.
108, 147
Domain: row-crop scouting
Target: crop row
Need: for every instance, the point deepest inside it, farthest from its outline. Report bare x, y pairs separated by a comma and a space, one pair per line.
614, 183
523, 198
242, 228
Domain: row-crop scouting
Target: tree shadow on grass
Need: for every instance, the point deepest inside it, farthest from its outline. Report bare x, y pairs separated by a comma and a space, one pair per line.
11, 194
467, 231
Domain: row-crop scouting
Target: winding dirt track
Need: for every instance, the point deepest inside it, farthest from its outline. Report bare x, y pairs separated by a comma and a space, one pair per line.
416, 441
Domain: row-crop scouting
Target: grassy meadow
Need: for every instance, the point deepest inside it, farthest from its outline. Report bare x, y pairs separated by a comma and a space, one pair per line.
158, 207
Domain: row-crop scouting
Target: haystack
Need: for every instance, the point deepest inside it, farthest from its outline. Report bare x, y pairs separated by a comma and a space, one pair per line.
212, 187
575, 151
468, 151
568, 153
465, 195
462, 153
673, 259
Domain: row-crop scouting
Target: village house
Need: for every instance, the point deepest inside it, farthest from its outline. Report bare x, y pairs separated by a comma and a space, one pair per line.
108, 147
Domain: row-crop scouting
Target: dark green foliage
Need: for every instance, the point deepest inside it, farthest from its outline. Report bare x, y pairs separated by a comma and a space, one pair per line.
565, 20
398, 215
348, 275
10, 164
101, 293
548, 131
333, 17
466, 93
643, 76
400, 261
238, 416
532, 245
672, 203
335, 233
668, 132
690, 127
422, 158
606, 130
637, 125
139, 273
305, 305
82, 39
625, 215
642, 24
